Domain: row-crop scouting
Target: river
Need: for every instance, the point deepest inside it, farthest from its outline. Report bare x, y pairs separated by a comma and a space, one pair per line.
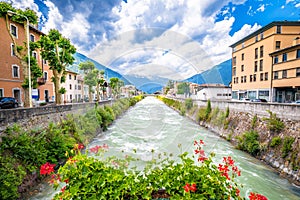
151, 125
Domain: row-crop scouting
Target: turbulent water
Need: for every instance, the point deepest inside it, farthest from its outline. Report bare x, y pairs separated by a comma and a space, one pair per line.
151, 125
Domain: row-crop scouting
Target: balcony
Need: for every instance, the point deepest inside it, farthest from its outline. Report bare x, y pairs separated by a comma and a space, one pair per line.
41, 81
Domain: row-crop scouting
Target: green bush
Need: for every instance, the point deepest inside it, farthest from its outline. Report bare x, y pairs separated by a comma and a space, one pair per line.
201, 114
287, 146
188, 103
274, 123
207, 110
249, 142
275, 141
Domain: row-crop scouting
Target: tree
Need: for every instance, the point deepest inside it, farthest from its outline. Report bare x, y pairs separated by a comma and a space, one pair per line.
58, 51
20, 51
183, 88
115, 84
90, 76
101, 83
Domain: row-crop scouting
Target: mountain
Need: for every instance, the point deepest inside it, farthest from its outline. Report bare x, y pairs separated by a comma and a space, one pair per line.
220, 73
147, 84
108, 73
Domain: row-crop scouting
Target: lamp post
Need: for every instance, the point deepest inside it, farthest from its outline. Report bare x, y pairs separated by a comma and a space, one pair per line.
28, 53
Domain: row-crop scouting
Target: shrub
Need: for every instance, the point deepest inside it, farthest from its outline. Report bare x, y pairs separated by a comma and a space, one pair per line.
274, 123
207, 110
249, 142
275, 141
287, 146
201, 115
188, 103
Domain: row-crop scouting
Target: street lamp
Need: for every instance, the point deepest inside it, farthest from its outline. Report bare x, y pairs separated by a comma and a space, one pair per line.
28, 52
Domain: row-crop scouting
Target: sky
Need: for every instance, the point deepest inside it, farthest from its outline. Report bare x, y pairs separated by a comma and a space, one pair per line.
174, 39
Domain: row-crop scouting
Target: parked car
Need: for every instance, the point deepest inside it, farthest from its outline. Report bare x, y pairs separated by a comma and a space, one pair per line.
259, 100
245, 99
8, 102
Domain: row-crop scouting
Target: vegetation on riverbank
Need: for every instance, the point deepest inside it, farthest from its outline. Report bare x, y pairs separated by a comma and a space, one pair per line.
23, 152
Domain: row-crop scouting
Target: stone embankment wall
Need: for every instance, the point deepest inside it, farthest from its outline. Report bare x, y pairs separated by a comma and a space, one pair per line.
39, 117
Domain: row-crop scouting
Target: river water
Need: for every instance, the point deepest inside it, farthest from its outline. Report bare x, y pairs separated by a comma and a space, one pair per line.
151, 125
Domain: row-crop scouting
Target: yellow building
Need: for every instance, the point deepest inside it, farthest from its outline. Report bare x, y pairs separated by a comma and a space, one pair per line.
266, 63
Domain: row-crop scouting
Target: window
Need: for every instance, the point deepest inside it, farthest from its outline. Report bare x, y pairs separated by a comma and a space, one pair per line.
277, 44
255, 66
254, 77
298, 72
256, 38
70, 97
243, 45
75, 87
13, 50
46, 76
261, 66
261, 76
251, 78
234, 61
284, 57
262, 35
79, 87
32, 39
15, 71
1, 92
14, 30
70, 86
242, 68
298, 53
261, 51
243, 56
70, 77
284, 73
233, 49
74, 77
234, 71
242, 79
256, 53
275, 59
34, 54
237, 79
278, 29
245, 79
276, 75
266, 76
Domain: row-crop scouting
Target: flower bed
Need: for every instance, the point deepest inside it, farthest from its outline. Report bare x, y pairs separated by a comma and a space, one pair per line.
194, 177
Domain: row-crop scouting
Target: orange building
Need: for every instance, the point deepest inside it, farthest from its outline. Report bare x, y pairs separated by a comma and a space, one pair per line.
11, 70
259, 58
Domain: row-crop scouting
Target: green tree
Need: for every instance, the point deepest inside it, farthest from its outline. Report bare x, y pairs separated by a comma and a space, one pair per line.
183, 88
21, 51
58, 51
116, 84
90, 76
101, 83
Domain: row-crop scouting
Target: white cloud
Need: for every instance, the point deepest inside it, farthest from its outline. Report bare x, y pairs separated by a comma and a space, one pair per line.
297, 5
261, 8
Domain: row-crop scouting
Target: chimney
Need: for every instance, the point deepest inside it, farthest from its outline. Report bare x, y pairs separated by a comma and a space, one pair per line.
296, 41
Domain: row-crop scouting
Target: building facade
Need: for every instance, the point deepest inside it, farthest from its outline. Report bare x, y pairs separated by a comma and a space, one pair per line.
256, 65
12, 73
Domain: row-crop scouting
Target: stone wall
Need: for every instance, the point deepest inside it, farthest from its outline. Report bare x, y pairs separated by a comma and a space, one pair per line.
283, 111
38, 117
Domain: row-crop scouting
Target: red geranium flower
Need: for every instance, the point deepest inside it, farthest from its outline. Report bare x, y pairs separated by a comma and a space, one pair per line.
186, 187
254, 196
47, 168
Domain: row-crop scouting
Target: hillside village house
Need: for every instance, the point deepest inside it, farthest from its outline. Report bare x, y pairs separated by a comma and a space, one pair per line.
266, 63
11, 70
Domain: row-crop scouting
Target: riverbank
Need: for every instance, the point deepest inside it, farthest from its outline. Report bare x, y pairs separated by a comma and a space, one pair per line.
274, 141
24, 150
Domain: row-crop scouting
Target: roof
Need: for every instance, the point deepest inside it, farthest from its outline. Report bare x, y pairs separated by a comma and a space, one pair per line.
291, 48
272, 24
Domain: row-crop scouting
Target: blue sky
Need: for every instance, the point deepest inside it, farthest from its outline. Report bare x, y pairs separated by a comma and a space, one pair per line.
168, 38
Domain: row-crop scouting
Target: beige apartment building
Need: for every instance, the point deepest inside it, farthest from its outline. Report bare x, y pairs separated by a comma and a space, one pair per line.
266, 63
